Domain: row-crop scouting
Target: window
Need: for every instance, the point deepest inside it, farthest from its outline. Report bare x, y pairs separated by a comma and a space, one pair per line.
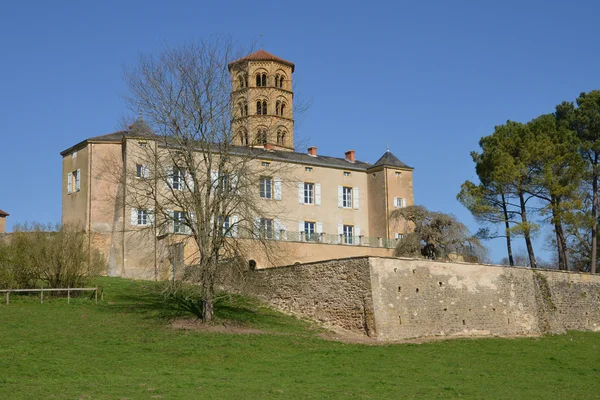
142, 217
266, 228
347, 197
348, 234
261, 136
282, 111
244, 138
243, 107
398, 235
259, 107
179, 225
266, 187
281, 81
74, 181
74, 154
281, 138
225, 225
142, 143
142, 171
346, 173
309, 231
178, 178
398, 173
309, 193
308, 169
399, 202
265, 164
261, 79
277, 107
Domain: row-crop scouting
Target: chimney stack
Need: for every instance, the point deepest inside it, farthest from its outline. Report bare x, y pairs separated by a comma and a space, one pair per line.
350, 155
312, 151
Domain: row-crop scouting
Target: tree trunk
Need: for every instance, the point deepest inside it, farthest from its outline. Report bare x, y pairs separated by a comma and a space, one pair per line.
511, 261
561, 243
526, 231
208, 312
594, 222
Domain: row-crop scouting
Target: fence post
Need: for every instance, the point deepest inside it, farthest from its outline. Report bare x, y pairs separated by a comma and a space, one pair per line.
102, 294
96, 294
7, 297
68, 294
42, 296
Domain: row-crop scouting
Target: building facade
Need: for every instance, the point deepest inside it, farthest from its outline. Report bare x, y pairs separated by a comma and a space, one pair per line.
315, 207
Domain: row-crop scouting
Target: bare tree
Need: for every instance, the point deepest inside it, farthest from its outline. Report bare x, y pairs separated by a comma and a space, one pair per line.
191, 178
436, 235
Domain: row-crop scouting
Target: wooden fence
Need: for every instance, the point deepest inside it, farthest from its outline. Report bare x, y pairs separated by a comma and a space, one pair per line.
42, 290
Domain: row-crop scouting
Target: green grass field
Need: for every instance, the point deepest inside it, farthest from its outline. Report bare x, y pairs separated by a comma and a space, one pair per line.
124, 348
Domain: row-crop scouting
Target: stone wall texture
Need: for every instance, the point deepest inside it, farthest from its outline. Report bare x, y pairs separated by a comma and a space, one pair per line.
395, 298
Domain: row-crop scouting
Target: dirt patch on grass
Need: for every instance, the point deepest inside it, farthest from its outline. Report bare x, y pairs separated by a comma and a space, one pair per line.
217, 327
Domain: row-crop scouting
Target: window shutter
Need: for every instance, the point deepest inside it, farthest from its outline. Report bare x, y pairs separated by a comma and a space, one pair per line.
340, 229
69, 182
300, 227
318, 194
134, 219
234, 182
301, 192
214, 179
257, 226
78, 180
357, 234
355, 198
146, 171
151, 216
319, 227
169, 177
277, 188
340, 196
171, 222
234, 225
402, 203
190, 182
277, 228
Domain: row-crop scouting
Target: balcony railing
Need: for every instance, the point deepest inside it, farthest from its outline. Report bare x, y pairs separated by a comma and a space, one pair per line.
328, 238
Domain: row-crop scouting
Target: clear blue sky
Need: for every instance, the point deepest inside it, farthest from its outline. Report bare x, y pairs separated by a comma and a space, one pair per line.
427, 78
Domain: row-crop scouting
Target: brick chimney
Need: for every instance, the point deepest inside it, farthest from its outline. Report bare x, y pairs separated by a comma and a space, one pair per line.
350, 155
312, 151
268, 146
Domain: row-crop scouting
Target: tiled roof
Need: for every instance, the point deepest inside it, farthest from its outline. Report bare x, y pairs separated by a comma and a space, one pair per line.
262, 55
390, 160
4, 214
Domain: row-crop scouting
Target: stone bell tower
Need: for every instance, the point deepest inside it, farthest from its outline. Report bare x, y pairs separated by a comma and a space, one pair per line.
262, 97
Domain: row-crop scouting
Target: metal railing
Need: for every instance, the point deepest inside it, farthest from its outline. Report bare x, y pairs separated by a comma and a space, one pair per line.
328, 238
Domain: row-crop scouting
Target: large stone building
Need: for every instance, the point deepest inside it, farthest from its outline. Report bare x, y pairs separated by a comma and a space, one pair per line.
3, 216
325, 207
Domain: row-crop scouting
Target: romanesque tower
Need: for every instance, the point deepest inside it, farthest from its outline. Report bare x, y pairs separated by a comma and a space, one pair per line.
262, 98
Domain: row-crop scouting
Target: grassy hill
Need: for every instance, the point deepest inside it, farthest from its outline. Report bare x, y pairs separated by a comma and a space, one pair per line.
125, 348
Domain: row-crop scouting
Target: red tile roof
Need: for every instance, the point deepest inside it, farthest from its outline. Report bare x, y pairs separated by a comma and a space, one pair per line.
4, 214
262, 55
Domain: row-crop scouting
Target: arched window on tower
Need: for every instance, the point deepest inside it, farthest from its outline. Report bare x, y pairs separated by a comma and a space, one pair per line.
261, 136
259, 107
243, 137
281, 82
245, 109
241, 79
282, 110
257, 79
277, 107
264, 107
281, 138
264, 79
246, 80
277, 80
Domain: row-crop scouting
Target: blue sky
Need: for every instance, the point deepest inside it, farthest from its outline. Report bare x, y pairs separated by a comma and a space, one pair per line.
426, 78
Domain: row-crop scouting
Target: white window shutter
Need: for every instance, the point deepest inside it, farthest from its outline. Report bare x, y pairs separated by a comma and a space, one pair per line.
340, 196
171, 222
355, 198
151, 216
318, 194
319, 227
146, 171
234, 182
402, 203
301, 226
169, 176
234, 225
357, 234
277, 228
69, 182
134, 216
214, 178
340, 229
301, 192
277, 194
190, 182
78, 180
257, 226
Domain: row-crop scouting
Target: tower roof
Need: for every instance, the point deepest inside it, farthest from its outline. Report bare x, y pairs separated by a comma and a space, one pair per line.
262, 55
389, 160
4, 214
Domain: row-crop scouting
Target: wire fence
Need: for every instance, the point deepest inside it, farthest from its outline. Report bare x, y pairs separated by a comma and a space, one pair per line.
42, 291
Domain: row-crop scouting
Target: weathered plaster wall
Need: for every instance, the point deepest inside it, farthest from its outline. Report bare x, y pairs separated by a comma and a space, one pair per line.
395, 299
